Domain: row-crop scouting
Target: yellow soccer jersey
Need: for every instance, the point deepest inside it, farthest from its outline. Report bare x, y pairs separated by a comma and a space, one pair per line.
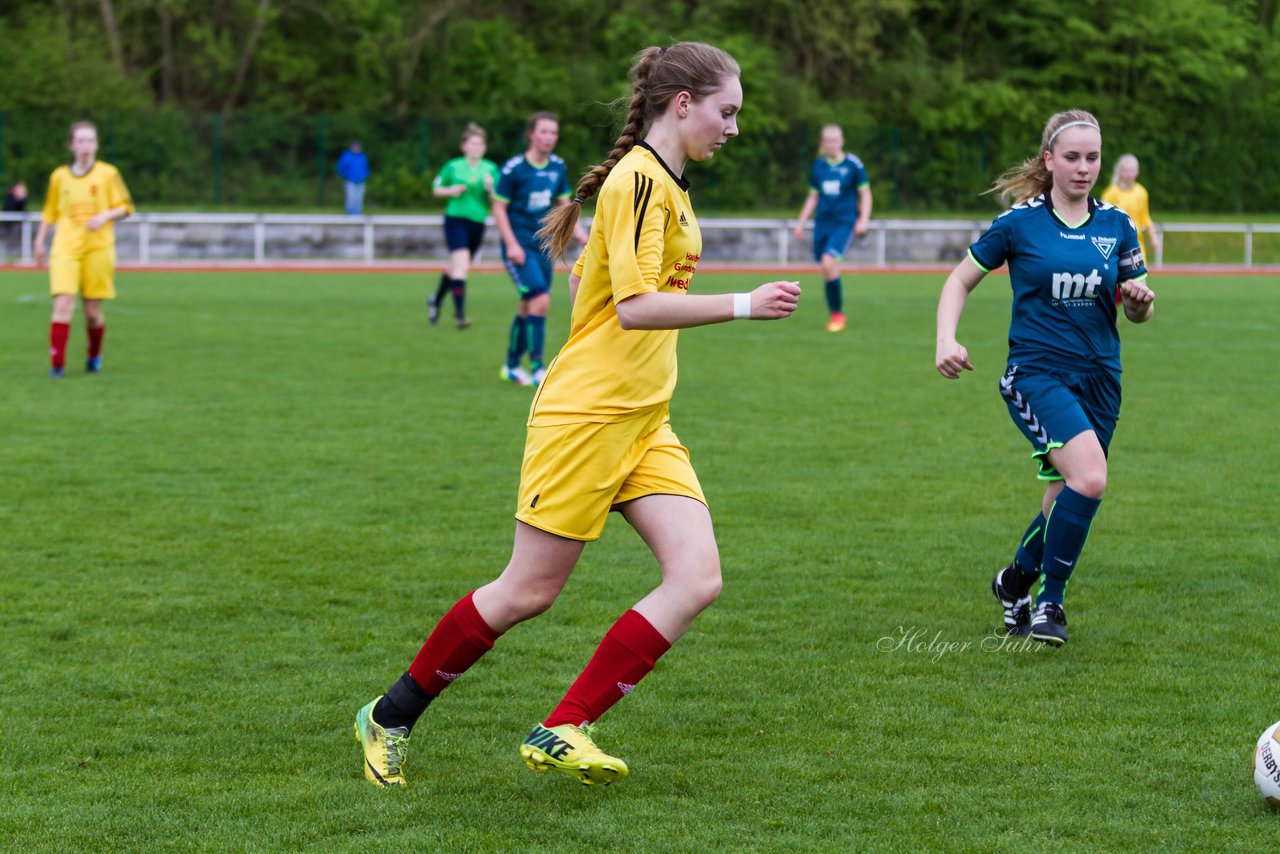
1135, 203
71, 202
644, 238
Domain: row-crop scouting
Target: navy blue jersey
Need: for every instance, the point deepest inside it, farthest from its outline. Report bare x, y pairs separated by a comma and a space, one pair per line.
529, 191
837, 185
1065, 281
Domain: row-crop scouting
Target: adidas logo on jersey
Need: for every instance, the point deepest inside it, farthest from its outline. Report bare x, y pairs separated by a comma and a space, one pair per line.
684, 221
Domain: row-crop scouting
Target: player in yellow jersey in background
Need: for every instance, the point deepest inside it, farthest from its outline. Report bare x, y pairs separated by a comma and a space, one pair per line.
599, 438
1131, 197
82, 202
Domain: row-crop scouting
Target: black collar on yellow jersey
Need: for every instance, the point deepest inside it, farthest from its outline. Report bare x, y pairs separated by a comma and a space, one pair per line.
681, 182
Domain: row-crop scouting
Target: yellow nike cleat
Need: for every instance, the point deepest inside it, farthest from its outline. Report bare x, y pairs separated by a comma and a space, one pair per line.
567, 748
384, 748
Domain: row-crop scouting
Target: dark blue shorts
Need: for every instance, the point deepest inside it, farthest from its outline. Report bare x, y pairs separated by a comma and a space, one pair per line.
830, 238
1051, 407
533, 277
462, 233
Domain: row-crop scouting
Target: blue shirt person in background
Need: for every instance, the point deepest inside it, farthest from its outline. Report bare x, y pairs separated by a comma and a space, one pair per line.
353, 169
530, 184
1071, 260
841, 194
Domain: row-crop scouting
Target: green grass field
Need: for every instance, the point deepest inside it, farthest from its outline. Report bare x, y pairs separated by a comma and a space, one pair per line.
214, 552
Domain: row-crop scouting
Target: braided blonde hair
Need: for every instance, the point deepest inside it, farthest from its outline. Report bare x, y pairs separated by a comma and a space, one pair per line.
657, 75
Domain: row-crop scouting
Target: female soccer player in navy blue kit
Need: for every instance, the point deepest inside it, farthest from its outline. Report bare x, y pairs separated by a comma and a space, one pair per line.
1071, 260
530, 185
841, 194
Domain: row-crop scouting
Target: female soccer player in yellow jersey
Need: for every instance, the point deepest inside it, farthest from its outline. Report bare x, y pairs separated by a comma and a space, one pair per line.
598, 436
83, 200
1131, 197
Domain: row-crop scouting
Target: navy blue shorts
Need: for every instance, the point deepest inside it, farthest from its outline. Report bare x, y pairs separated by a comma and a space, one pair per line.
462, 233
1051, 407
830, 238
533, 277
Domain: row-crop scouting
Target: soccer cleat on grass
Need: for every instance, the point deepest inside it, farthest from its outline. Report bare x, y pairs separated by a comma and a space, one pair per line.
836, 324
538, 376
461, 322
1049, 624
567, 748
1017, 606
517, 375
384, 748
57, 373
433, 310
93, 366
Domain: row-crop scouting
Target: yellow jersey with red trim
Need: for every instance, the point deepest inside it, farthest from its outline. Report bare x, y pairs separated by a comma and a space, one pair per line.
644, 238
74, 200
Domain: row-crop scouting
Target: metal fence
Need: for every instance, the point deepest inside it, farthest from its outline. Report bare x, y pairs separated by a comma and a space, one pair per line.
179, 160
275, 239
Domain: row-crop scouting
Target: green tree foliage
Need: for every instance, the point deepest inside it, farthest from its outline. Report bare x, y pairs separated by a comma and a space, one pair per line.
937, 96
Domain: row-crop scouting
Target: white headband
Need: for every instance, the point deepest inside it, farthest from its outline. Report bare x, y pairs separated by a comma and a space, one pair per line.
1049, 145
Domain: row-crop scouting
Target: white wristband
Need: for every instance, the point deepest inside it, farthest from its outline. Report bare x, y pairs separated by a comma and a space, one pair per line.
742, 306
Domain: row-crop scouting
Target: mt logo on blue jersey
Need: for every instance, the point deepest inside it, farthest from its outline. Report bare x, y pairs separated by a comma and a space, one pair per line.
1076, 286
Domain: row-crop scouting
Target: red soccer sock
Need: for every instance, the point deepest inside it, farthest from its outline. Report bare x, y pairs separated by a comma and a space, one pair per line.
58, 333
629, 650
458, 641
95, 340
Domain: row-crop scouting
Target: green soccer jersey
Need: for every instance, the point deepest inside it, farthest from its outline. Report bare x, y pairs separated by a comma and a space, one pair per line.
474, 203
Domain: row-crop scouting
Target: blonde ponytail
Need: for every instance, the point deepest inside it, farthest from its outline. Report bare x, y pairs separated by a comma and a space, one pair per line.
1032, 178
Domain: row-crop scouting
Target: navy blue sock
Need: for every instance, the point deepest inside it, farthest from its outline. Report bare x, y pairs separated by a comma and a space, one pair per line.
445, 282
516, 345
1065, 533
459, 297
835, 295
1030, 552
537, 339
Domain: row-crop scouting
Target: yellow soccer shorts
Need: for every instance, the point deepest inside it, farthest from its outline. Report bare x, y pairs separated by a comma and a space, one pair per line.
574, 474
91, 274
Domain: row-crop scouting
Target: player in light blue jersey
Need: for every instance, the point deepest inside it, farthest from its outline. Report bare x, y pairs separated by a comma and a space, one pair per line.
840, 192
529, 186
1071, 260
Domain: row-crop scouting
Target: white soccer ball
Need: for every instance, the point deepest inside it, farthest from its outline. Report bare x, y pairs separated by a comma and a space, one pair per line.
1266, 765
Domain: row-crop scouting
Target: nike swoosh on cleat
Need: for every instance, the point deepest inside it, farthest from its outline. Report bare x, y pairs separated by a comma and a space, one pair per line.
381, 779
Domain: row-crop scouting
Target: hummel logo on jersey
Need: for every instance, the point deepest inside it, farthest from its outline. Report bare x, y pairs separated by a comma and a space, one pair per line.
1105, 245
625, 688
1076, 285
1066, 236
684, 221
